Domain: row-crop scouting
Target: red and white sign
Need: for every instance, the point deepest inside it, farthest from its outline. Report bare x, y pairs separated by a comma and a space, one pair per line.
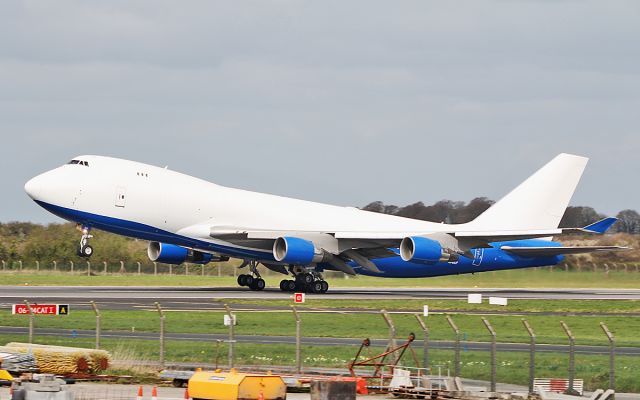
41, 309
298, 297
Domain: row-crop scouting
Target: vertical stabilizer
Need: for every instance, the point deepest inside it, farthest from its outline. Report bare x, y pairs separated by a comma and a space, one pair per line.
540, 201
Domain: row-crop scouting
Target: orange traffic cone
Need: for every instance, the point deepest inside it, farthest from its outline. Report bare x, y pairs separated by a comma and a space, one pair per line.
186, 394
154, 393
139, 393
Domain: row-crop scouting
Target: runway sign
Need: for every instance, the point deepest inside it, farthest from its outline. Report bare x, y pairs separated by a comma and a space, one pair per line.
498, 301
298, 297
425, 310
474, 298
41, 309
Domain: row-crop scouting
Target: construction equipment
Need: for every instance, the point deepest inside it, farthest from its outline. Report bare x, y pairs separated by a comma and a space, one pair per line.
233, 385
378, 361
5, 377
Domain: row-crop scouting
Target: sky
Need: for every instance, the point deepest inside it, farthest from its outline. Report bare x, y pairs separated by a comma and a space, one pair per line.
331, 101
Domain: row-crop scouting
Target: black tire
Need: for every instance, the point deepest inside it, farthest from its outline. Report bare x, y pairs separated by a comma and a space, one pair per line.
282, 285
242, 280
291, 285
86, 251
325, 286
259, 284
307, 278
316, 287
249, 279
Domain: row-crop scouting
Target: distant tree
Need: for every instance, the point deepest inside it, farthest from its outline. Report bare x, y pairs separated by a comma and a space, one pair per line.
628, 221
576, 217
376, 206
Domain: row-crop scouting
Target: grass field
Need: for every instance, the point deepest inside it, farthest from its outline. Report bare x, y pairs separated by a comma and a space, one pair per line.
509, 328
529, 278
511, 367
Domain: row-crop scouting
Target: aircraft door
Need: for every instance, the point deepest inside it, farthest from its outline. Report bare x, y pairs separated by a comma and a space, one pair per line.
121, 194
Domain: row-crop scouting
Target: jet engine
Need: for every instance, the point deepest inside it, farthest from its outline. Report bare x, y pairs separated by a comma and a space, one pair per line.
423, 250
172, 254
296, 251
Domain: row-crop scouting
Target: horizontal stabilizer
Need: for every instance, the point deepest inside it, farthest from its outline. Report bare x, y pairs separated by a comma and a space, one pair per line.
545, 251
601, 226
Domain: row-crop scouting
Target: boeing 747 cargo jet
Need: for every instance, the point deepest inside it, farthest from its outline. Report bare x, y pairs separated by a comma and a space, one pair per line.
186, 219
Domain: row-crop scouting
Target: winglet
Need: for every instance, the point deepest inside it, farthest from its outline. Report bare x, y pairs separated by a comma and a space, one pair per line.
600, 226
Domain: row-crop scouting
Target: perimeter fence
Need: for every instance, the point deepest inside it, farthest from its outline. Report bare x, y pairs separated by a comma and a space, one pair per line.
495, 348
122, 267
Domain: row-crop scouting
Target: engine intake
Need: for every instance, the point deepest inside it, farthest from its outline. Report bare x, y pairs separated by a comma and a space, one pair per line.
423, 250
172, 254
296, 251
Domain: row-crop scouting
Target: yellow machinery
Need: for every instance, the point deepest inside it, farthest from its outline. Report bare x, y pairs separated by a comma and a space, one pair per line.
233, 385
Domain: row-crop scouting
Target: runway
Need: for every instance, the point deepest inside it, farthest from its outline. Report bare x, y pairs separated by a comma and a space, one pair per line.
206, 298
130, 297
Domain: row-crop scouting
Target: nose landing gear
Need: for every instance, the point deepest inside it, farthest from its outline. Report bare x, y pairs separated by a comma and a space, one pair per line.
85, 250
253, 281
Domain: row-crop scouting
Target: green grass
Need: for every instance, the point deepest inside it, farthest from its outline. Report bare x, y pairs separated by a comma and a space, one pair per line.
509, 328
511, 367
530, 278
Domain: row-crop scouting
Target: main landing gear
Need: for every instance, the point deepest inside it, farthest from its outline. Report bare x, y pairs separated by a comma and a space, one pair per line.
253, 281
308, 282
85, 250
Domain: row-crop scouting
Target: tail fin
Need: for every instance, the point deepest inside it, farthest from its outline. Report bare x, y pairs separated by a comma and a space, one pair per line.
540, 201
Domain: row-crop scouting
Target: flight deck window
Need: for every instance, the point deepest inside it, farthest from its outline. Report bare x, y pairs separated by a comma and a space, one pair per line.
74, 162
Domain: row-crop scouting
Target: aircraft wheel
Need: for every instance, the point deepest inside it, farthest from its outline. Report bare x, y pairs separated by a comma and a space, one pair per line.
242, 280
316, 287
86, 251
259, 284
290, 286
325, 286
307, 278
249, 280
283, 284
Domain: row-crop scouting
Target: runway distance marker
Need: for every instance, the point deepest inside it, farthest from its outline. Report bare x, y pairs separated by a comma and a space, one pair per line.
298, 297
41, 309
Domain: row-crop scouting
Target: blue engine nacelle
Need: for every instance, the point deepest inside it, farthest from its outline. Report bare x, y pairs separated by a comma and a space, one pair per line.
172, 254
294, 250
423, 250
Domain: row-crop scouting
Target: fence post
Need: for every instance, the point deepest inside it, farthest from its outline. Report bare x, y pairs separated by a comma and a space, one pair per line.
104, 264
37, 265
55, 266
231, 337
392, 332
31, 320
493, 353
612, 357
572, 366
88, 268
4, 265
186, 269
71, 263
20, 264
457, 346
122, 269
298, 340
425, 342
170, 269
162, 317
95, 310
532, 354
139, 268
155, 268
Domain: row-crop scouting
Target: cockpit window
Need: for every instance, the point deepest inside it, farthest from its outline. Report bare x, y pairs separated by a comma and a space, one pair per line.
85, 163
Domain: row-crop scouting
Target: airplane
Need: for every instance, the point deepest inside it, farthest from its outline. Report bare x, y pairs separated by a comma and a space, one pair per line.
186, 219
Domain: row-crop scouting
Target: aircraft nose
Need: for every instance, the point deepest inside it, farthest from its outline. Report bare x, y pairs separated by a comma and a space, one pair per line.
35, 187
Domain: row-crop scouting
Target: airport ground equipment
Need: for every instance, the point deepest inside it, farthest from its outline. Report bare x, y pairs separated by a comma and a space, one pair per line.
42, 387
64, 360
233, 385
5, 377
